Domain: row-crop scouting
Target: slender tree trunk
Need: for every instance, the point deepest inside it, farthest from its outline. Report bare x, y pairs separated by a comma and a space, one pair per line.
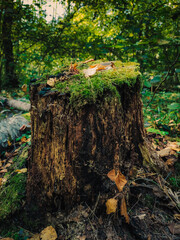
7, 44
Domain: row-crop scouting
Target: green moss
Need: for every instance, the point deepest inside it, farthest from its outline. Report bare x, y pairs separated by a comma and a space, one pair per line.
27, 116
84, 90
12, 192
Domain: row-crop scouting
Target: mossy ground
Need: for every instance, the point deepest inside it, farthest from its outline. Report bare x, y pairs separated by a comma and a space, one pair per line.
12, 192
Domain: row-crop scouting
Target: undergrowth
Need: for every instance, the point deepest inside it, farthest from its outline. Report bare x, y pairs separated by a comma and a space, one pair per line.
162, 113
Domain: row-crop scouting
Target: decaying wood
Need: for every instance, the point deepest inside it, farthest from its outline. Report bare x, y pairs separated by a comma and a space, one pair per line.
72, 152
10, 129
17, 104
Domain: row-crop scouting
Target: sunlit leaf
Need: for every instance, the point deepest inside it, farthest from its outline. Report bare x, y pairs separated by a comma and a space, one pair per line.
111, 205
118, 178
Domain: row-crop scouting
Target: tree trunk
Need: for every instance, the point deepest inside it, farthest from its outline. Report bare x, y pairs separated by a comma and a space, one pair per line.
7, 45
72, 151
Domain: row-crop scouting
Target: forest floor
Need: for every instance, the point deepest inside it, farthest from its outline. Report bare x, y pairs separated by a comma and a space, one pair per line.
153, 203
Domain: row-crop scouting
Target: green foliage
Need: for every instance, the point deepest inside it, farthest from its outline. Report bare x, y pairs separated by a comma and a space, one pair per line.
162, 115
144, 32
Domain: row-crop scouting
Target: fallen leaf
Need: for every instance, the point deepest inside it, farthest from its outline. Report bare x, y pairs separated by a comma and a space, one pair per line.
7, 165
177, 216
48, 233
23, 170
120, 181
118, 178
141, 216
1, 181
93, 66
111, 205
73, 68
112, 175
174, 228
17, 150
23, 139
124, 209
165, 152
23, 127
89, 72
170, 162
3, 171
51, 82
90, 60
24, 88
149, 237
82, 237
101, 67
174, 146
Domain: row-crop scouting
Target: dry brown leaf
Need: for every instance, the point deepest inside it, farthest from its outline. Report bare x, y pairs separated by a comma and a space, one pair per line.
48, 233
174, 146
1, 181
17, 150
90, 60
111, 205
51, 82
118, 178
170, 162
112, 175
23, 170
23, 127
7, 165
82, 237
165, 152
174, 228
3, 171
124, 209
73, 68
24, 88
177, 216
149, 237
120, 181
93, 66
101, 67
23, 139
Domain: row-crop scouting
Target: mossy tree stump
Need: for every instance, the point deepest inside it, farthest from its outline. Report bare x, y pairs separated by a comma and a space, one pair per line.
81, 131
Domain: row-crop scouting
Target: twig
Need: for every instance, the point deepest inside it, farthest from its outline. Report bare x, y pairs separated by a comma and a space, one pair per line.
165, 78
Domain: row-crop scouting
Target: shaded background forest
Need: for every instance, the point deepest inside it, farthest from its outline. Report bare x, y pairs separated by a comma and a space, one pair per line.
142, 31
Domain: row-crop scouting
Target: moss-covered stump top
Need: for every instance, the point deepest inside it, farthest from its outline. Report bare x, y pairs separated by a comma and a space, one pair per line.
88, 86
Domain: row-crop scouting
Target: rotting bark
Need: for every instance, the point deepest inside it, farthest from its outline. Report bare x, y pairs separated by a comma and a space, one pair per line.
72, 151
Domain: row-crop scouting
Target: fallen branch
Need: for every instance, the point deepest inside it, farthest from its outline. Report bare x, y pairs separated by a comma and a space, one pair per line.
17, 104
10, 129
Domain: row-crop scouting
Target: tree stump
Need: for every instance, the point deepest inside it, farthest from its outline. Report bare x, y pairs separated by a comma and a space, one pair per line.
82, 129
